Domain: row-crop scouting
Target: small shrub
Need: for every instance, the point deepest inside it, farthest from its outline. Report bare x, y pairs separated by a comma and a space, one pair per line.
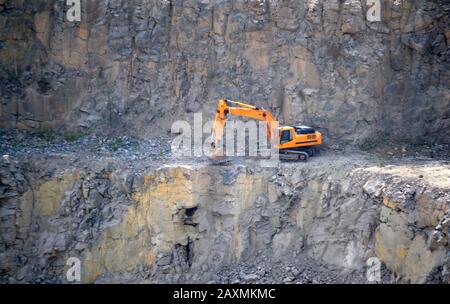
115, 143
75, 135
46, 135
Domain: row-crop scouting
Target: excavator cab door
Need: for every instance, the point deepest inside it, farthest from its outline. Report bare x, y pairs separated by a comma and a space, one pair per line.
285, 136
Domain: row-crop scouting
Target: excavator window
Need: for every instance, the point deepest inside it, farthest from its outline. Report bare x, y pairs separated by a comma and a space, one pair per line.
286, 136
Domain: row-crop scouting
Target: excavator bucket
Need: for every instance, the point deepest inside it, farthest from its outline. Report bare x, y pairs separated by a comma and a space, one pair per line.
216, 154
217, 157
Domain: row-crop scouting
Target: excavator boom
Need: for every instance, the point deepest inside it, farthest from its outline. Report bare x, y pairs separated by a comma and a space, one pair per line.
228, 107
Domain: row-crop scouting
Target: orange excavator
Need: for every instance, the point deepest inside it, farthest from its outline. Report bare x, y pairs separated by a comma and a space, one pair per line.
293, 143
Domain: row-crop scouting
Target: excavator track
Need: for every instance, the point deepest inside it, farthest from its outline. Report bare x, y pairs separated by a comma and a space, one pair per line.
293, 155
222, 162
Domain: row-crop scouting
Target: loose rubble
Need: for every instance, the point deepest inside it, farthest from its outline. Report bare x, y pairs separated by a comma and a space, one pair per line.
48, 143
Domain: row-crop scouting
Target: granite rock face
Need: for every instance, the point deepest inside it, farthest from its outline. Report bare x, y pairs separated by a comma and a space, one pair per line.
187, 223
131, 65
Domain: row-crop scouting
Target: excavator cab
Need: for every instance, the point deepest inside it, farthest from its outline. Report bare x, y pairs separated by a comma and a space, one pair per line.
299, 137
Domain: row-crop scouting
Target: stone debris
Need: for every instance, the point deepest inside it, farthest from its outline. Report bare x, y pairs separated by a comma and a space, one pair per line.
48, 143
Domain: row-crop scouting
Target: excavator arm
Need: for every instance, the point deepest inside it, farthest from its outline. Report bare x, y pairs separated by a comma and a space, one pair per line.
228, 107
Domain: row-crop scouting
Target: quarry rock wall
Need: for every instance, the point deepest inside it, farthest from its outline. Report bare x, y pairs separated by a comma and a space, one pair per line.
133, 65
182, 223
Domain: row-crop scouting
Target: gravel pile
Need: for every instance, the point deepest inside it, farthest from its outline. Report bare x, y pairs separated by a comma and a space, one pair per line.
297, 271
